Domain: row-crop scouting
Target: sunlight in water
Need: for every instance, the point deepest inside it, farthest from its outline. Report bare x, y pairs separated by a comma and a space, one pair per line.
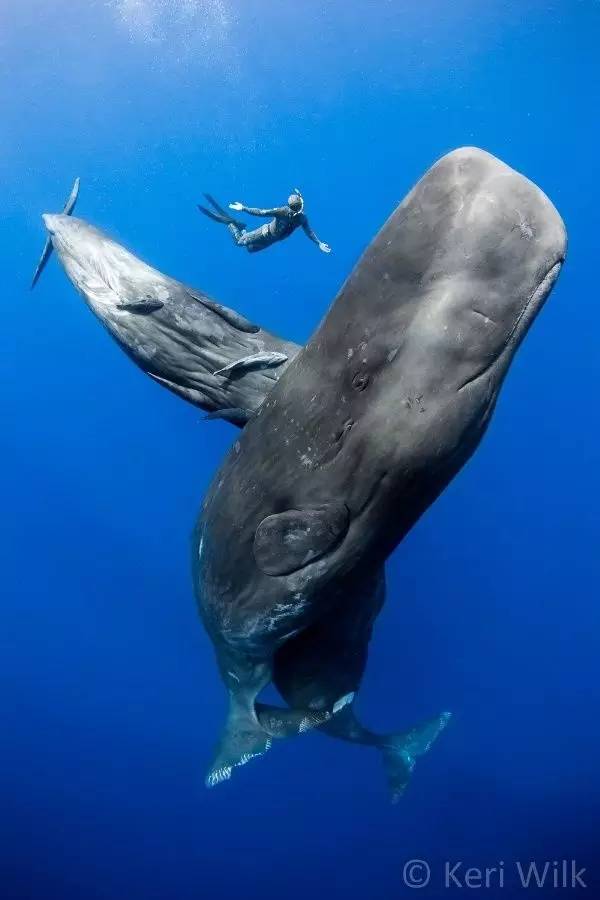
186, 23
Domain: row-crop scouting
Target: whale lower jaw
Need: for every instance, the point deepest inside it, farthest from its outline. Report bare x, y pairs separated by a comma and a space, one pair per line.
530, 310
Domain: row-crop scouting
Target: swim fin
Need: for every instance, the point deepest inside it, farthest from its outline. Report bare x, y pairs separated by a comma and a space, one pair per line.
217, 206
219, 214
400, 752
216, 217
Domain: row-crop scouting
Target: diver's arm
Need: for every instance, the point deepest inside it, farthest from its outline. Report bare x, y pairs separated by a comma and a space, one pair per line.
323, 247
277, 211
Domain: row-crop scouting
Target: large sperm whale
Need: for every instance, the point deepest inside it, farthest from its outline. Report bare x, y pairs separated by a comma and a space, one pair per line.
348, 440
370, 421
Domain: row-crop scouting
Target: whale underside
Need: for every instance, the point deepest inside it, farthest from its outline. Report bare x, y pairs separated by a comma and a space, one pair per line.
346, 440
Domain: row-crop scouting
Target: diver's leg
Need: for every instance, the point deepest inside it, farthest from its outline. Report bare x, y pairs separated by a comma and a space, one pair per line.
239, 234
254, 240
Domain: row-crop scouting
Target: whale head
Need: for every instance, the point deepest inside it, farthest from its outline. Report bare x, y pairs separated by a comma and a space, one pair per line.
176, 334
476, 272
442, 299
106, 274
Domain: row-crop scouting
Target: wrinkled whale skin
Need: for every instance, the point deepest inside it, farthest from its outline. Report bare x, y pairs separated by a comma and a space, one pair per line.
174, 333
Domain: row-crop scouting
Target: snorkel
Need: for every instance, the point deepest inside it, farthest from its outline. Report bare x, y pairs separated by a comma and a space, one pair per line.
293, 198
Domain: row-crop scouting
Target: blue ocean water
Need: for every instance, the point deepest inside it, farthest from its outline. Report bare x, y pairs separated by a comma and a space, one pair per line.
109, 694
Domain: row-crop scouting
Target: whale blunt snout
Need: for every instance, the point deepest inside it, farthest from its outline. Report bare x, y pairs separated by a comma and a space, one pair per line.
59, 224
50, 221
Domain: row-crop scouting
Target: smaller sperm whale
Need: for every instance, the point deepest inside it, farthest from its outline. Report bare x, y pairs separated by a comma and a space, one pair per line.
201, 350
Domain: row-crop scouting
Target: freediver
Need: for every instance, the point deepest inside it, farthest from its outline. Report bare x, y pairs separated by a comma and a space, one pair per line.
285, 220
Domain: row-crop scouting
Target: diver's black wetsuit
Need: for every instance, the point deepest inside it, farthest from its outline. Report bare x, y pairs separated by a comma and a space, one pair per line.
284, 221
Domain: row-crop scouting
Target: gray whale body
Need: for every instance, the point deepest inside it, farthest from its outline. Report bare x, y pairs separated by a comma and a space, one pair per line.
176, 334
346, 441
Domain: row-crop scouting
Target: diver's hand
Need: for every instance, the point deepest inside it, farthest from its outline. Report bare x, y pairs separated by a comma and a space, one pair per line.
324, 248
239, 207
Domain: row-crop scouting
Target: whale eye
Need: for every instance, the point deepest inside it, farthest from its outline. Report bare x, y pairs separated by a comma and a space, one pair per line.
360, 381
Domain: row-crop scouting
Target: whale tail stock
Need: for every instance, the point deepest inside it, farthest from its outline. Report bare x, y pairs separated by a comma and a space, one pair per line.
400, 752
251, 728
47, 251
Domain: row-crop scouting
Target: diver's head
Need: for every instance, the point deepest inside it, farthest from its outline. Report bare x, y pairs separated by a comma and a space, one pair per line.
295, 202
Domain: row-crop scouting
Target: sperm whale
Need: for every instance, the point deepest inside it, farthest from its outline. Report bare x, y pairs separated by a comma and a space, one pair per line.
345, 442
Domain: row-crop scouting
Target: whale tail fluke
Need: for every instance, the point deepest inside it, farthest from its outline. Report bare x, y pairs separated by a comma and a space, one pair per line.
400, 752
48, 247
250, 731
243, 739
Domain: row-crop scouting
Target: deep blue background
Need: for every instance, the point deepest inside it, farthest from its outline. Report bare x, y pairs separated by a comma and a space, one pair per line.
109, 697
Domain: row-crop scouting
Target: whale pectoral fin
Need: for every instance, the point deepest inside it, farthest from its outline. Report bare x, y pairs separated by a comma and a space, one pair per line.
288, 541
233, 318
400, 752
236, 415
72, 198
46, 254
146, 306
261, 360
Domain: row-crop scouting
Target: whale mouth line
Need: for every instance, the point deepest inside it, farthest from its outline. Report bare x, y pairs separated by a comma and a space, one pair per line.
548, 279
